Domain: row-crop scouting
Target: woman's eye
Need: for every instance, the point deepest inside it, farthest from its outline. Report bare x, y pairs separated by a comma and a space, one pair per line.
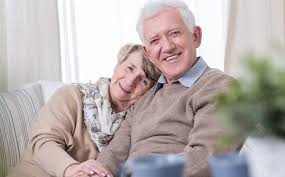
130, 68
145, 82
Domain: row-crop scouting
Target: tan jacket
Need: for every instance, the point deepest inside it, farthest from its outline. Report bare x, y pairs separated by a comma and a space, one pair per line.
59, 137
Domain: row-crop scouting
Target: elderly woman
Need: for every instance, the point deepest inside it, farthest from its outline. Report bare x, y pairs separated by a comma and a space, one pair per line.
80, 119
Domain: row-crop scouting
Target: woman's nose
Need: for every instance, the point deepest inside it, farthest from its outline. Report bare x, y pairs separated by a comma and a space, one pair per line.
131, 80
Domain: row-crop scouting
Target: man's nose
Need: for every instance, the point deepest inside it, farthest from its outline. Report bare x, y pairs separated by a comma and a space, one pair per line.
167, 45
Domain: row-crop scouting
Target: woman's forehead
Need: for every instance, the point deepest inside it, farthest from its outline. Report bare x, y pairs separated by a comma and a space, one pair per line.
134, 58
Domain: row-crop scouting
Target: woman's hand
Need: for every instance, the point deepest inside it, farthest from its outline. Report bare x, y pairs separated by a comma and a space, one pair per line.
89, 167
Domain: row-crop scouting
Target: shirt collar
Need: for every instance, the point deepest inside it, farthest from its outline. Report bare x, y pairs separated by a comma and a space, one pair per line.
190, 77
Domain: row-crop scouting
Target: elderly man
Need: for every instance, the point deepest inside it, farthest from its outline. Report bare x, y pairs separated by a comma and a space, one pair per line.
177, 114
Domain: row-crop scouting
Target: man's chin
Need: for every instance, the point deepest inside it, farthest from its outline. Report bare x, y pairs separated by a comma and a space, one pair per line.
170, 77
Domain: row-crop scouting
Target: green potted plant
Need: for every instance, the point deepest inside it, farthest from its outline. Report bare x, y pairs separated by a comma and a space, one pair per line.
255, 107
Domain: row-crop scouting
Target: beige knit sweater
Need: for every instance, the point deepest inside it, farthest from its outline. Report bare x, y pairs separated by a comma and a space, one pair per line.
60, 137
175, 119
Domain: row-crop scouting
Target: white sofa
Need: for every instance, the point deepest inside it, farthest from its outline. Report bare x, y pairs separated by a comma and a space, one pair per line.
18, 111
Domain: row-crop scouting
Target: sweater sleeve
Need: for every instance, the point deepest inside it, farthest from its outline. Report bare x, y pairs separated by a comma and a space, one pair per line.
206, 130
52, 134
118, 149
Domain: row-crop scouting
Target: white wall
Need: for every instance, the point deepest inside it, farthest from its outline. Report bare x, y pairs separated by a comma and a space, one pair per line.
254, 26
3, 59
33, 48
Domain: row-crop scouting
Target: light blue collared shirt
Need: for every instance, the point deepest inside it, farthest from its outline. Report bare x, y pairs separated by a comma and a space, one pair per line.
190, 77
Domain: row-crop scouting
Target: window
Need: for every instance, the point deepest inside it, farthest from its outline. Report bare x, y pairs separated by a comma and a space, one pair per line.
93, 31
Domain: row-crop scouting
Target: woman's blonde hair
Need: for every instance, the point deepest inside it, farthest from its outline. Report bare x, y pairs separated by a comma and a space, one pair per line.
150, 70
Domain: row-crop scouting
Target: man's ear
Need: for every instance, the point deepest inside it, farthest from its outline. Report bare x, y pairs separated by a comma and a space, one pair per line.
146, 53
197, 34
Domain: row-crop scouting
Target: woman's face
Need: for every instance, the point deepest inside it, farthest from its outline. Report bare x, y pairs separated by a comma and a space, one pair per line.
129, 81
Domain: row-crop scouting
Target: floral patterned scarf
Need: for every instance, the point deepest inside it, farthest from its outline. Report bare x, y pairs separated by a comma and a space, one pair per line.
100, 120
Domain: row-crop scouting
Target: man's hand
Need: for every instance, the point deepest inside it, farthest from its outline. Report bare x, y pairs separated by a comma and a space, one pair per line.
87, 168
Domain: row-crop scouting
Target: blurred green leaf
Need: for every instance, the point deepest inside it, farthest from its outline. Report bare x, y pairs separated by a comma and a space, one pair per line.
255, 100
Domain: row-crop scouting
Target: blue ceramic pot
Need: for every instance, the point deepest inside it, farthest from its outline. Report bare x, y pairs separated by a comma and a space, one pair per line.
170, 165
229, 165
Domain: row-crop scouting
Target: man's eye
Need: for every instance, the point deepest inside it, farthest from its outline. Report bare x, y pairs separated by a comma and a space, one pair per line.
154, 41
175, 33
130, 68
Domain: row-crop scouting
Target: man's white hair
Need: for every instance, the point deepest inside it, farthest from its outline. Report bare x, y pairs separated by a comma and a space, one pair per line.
154, 6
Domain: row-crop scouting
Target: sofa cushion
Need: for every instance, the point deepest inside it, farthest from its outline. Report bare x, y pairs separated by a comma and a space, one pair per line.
18, 111
49, 87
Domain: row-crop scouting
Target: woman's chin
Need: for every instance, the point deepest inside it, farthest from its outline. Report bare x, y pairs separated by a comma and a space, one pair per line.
121, 97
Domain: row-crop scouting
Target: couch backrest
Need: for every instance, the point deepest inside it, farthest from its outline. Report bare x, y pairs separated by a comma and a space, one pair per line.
49, 87
18, 111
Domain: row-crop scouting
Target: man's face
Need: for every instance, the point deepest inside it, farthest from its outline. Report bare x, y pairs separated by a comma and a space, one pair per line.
169, 44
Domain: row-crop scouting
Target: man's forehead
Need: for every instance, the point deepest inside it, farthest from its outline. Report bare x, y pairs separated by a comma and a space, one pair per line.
154, 24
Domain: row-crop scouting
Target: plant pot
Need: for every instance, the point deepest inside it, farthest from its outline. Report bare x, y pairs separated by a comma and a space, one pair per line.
266, 157
229, 165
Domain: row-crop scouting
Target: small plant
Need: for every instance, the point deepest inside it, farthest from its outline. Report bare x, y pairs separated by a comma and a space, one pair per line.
255, 104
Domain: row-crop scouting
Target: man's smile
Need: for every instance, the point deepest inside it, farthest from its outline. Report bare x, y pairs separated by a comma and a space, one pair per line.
172, 57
